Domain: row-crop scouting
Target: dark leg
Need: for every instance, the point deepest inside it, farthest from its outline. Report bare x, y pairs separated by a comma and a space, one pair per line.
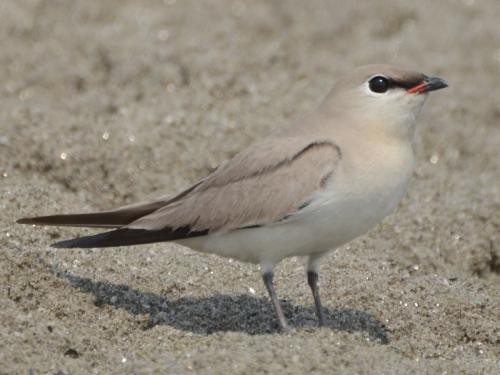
268, 282
312, 280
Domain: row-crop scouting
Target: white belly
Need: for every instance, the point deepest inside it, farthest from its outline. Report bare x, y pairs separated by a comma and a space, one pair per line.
347, 209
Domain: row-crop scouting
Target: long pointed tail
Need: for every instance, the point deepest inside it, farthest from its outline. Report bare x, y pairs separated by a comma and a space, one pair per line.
106, 219
128, 237
96, 220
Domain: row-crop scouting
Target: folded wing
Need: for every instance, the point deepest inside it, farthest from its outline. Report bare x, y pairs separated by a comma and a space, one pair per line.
264, 184
231, 199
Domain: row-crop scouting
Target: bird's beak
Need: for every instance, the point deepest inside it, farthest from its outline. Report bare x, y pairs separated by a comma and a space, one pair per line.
428, 84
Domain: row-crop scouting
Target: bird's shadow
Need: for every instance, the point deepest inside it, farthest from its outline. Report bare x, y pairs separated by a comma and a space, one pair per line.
220, 312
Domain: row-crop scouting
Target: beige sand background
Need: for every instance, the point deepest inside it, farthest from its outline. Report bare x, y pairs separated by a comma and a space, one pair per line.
104, 103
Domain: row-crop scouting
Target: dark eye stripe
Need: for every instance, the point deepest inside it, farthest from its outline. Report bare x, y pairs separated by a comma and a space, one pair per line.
406, 83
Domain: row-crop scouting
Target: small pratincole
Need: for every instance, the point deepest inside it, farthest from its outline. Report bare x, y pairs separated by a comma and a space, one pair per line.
302, 191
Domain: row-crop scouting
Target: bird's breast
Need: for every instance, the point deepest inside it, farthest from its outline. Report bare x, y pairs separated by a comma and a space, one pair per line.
364, 190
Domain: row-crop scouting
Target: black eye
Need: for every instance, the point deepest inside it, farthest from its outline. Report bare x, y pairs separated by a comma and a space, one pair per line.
379, 84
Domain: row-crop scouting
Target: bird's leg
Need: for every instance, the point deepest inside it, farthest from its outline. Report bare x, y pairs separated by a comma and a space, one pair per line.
268, 282
312, 280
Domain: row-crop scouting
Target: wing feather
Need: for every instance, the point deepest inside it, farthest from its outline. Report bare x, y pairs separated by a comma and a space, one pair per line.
231, 199
264, 184
107, 219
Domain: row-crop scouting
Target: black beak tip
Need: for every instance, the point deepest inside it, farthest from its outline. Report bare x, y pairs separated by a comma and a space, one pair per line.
435, 83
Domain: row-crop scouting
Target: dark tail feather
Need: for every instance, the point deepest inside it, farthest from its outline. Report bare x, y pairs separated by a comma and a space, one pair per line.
106, 219
128, 237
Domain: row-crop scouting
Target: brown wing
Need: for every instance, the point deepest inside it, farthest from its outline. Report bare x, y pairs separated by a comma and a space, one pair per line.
262, 185
245, 193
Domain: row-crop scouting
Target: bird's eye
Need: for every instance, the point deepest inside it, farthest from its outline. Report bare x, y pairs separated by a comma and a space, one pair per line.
379, 84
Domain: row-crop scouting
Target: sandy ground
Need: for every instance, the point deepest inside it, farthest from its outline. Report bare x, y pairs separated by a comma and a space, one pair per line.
104, 103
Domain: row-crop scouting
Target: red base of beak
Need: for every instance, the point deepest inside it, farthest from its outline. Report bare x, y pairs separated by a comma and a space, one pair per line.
417, 89
429, 84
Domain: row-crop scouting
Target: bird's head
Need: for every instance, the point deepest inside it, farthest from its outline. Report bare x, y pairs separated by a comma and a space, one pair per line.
383, 97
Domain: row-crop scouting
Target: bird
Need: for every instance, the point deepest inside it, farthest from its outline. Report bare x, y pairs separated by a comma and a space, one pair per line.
304, 190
